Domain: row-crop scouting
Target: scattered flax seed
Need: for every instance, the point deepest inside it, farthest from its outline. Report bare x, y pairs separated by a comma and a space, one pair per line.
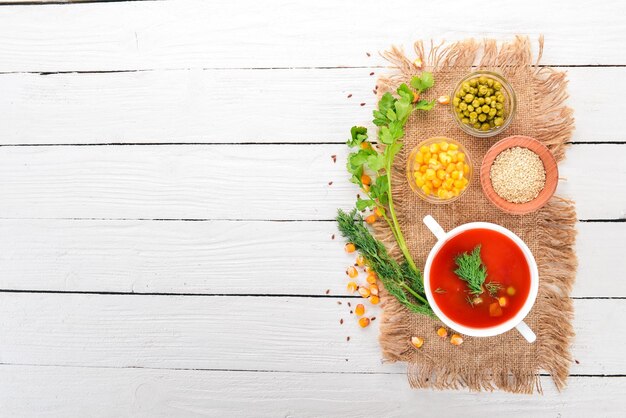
349, 95
347, 338
332, 236
341, 321
338, 302
368, 54
351, 312
518, 175
334, 157
362, 104
374, 91
349, 304
372, 73
330, 183
577, 362
327, 291
373, 318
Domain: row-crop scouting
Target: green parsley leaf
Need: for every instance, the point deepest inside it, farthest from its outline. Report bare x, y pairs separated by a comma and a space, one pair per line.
423, 82
425, 105
362, 204
358, 134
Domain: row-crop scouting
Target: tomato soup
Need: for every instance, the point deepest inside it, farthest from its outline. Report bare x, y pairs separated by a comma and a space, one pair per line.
507, 271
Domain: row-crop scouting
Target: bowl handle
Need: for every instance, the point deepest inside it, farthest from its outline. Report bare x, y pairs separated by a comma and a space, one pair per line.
526, 332
434, 227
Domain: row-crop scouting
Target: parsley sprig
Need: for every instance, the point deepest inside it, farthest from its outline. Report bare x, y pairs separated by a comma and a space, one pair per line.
390, 117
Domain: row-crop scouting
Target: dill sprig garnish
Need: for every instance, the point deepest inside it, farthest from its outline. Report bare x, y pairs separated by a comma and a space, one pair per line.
493, 288
400, 280
472, 270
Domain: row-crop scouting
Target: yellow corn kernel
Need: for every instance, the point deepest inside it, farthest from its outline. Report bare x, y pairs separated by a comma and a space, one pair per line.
417, 342
426, 189
432, 162
371, 278
364, 292
423, 168
435, 166
442, 332
456, 339
352, 286
374, 300
436, 182
359, 310
454, 175
441, 194
461, 156
466, 169
434, 148
465, 181
423, 149
441, 175
445, 158
419, 158
430, 174
447, 184
429, 183
427, 156
419, 181
374, 290
453, 147
363, 322
452, 152
458, 184
443, 145
450, 168
459, 166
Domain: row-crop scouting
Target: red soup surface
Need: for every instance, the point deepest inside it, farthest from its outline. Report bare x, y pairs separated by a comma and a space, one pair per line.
506, 265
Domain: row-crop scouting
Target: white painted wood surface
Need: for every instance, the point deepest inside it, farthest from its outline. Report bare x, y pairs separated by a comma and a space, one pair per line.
186, 275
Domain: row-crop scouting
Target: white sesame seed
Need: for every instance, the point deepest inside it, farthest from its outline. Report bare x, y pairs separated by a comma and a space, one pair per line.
518, 175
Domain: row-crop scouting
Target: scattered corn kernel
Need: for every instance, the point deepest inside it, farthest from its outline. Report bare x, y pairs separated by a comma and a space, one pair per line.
444, 100
419, 64
360, 260
417, 342
510, 290
371, 278
349, 247
442, 332
359, 310
363, 322
370, 219
503, 301
374, 290
378, 211
364, 291
456, 339
352, 272
365, 145
352, 286
365, 179
374, 300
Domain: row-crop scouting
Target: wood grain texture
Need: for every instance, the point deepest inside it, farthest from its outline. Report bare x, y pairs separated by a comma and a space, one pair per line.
233, 182
101, 392
200, 34
236, 333
226, 106
222, 257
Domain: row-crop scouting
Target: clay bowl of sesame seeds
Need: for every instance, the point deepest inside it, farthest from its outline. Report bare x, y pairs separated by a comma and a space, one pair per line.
519, 174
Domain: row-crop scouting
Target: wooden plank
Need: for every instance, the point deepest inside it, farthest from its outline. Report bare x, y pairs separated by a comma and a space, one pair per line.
202, 105
223, 257
242, 333
233, 182
170, 34
101, 392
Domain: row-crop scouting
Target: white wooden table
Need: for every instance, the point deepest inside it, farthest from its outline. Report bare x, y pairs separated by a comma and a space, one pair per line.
166, 218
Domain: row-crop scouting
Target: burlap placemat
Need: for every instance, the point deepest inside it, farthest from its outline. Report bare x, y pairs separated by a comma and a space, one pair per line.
507, 361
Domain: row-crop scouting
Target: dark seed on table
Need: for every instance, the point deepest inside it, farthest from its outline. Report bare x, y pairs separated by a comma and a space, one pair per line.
362, 104
347, 338
368, 54
351, 312
334, 157
349, 304
374, 91
332, 236
577, 362
327, 291
341, 321
349, 95
330, 183
372, 73
338, 302
373, 318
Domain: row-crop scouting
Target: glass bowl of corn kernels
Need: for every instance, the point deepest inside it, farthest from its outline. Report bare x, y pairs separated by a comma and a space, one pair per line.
439, 170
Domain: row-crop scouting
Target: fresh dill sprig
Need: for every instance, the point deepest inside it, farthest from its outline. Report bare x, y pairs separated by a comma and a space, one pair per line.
440, 291
400, 280
470, 300
493, 288
472, 270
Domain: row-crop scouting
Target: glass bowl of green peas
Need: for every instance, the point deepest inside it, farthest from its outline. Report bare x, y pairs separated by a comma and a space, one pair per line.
483, 104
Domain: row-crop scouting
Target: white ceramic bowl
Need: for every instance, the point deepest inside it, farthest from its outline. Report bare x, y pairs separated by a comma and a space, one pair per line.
514, 322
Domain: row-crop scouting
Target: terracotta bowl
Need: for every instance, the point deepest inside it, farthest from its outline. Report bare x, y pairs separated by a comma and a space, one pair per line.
549, 164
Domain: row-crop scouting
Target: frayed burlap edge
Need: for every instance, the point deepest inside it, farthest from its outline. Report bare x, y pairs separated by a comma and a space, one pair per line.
556, 225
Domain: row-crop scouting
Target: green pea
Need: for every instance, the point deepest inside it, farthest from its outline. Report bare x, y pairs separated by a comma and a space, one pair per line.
470, 108
482, 91
490, 82
465, 86
473, 90
497, 86
482, 117
465, 121
500, 98
487, 100
473, 82
490, 92
473, 115
485, 127
482, 79
492, 112
468, 98
455, 102
499, 106
481, 101
493, 103
462, 105
500, 113
492, 124
477, 125
478, 110
475, 103
498, 121
466, 112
